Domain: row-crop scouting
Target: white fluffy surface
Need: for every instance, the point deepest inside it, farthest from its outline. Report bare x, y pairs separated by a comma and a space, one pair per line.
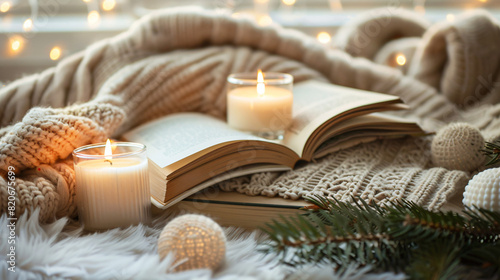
61, 250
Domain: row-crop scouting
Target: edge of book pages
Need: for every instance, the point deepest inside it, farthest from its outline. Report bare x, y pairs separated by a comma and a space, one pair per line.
228, 175
238, 209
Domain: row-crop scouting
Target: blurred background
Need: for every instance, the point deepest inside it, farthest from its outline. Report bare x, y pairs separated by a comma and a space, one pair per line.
36, 34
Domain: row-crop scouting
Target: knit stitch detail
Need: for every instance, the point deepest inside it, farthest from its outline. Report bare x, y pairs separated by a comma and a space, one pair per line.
46, 135
458, 58
379, 173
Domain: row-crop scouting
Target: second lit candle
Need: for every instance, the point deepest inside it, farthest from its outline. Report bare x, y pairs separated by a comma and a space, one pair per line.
261, 106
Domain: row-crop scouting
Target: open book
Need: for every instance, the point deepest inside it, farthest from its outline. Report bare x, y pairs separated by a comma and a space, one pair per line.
191, 151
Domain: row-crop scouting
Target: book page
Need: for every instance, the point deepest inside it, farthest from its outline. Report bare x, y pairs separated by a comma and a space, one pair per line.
314, 103
364, 129
175, 137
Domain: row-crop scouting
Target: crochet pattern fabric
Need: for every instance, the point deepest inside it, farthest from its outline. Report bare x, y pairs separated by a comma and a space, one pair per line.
178, 60
380, 172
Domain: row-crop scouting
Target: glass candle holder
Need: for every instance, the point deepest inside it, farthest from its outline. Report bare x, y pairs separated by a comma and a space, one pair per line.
260, 103
112, 185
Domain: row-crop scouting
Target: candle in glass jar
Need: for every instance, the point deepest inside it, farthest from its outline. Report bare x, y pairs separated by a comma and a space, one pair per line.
260, 107
112, 190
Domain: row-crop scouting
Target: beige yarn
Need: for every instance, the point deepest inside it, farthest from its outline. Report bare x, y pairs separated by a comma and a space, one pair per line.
461, 59
48, 187
195, 240
178, 60
45, 135
457, 146
367, 35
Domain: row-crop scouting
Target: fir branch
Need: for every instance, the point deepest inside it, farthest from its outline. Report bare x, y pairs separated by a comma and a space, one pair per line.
485, 256
492, 150
397, 238
436, 260
420, 224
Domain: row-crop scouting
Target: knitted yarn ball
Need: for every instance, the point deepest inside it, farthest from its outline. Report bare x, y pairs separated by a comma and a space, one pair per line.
457, 146
483, 190
197, 242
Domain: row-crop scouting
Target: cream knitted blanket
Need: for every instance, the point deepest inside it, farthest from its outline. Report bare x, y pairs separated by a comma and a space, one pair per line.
178, 60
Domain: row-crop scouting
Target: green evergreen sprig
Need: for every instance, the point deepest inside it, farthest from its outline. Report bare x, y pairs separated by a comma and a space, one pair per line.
402, 237
492, 150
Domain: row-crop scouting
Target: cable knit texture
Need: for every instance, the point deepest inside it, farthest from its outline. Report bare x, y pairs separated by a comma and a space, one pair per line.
178, 60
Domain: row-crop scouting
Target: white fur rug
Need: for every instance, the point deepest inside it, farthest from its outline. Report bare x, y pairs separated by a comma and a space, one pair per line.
62, 250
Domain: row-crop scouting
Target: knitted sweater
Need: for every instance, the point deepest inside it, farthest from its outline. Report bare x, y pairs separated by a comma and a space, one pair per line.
178, 60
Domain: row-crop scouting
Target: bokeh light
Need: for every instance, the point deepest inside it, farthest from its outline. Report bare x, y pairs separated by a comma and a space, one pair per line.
324, 37
55, 53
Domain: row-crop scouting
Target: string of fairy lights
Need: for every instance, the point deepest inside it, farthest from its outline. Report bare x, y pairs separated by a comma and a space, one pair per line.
17, 42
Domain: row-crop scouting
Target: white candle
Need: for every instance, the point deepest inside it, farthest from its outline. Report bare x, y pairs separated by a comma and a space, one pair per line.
259, 108
112, 192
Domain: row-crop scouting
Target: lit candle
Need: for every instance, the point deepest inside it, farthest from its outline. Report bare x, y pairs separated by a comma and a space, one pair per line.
112, 189
262, 107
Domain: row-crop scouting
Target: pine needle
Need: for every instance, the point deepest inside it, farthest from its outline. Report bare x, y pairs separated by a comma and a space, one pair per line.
401, 237
492, 150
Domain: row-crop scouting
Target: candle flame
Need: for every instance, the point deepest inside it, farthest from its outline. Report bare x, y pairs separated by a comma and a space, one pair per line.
261, 87
107, 151
260, 76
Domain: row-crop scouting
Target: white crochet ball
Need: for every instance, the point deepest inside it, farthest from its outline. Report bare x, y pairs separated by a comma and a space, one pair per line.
457, 146
483, 190
197, 242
